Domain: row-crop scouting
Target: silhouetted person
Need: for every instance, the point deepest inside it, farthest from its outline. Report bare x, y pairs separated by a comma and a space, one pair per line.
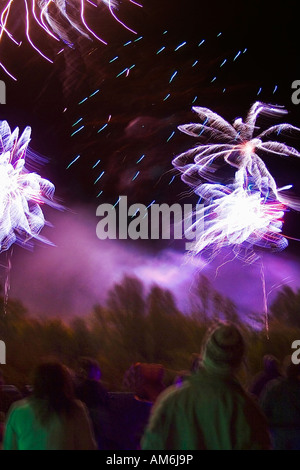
210, 410
270, 372
26, 390
8, 395
90, 390
131, 409
50, 418
147, 381
280, 402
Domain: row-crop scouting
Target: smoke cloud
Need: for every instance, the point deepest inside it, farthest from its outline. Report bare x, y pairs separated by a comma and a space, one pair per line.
68, 279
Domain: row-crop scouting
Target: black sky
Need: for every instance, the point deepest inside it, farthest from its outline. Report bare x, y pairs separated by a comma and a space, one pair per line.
263, 36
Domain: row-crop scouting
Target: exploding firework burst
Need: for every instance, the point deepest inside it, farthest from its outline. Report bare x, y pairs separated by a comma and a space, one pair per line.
22, 193
248, 212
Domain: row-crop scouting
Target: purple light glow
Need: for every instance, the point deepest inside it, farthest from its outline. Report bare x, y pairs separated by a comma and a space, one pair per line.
70, 278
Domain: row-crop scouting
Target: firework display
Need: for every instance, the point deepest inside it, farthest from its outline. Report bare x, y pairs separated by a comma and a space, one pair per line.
22, 193
247, 212
60, 20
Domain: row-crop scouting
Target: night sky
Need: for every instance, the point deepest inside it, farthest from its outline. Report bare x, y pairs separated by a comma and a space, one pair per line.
106, 118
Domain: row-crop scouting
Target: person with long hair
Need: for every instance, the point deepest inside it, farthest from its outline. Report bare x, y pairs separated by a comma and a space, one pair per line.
51, 418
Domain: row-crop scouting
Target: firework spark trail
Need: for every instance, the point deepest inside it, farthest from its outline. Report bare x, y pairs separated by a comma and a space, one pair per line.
239, 147
3, 19
21, 192
44, 13
265, 298
247, 214
250, 210
174, 60
9, 254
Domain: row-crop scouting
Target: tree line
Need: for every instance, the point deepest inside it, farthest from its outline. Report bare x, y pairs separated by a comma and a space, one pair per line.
139, 325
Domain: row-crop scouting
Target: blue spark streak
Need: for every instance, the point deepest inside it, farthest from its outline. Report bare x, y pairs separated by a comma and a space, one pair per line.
100, 176
101, 128
75, 132
140, 159
80, 119
73, 161
180, 45
117, 202
121, 73
95, 92
133, 215
135, 176
237, 55
94, 166
174, 74
161, 49
170, 137
150, 204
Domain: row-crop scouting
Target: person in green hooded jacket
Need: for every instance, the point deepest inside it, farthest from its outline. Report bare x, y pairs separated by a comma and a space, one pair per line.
210, 410
51, 418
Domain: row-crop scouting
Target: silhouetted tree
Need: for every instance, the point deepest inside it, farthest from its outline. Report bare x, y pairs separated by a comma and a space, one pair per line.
200, 299
82, 339
286, 307
126, 304
163, 318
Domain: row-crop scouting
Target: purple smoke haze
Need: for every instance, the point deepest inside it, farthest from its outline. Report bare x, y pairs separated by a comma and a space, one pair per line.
71, 277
